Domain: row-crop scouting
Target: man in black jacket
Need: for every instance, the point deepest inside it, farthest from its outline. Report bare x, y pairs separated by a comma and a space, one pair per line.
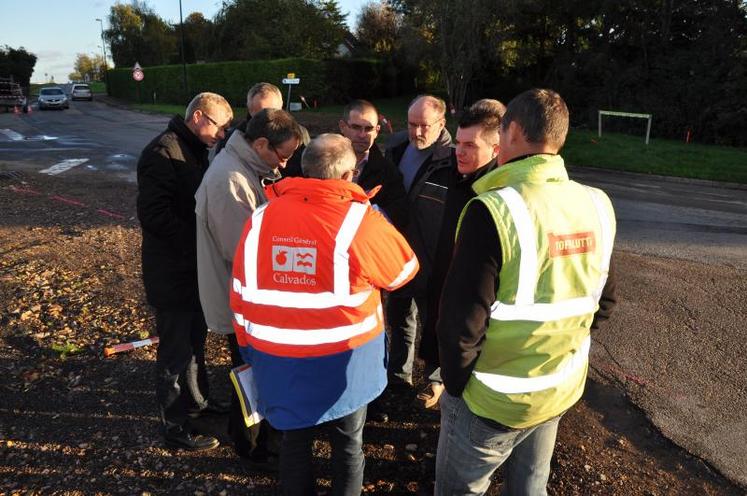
360, 124
477, 145
423, 156
168, 173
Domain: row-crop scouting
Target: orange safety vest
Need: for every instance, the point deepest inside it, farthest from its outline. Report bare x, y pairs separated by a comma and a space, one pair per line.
308, 269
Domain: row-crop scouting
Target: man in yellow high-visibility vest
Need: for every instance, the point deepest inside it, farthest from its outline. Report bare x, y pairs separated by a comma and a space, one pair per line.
530, 278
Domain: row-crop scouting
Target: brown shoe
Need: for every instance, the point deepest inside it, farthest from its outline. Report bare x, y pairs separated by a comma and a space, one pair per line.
429, 396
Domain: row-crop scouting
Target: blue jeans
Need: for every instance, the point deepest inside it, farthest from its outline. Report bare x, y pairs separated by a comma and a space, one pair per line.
471, 448
346, 438
402, 314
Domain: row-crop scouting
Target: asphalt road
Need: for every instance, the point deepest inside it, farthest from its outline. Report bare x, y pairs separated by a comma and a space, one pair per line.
106, 140
677, 343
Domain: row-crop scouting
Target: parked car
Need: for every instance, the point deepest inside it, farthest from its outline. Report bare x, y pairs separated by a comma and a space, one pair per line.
81, 92
52, 97
11, 95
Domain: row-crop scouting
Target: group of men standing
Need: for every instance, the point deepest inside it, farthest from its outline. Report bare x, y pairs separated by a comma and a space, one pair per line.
286, 244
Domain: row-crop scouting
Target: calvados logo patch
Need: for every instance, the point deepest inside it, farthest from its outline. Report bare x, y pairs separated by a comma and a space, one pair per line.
562, 245
294, 259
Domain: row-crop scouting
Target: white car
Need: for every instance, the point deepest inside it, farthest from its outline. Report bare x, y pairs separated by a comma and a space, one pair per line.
81, 92
52, 97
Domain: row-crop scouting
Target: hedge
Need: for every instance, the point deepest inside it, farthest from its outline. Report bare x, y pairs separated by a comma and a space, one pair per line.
326, 81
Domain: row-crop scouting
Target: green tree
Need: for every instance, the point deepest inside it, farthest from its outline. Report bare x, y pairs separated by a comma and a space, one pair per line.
137, 34
264, 29
378, 29
89, 67
197, 34
17, 63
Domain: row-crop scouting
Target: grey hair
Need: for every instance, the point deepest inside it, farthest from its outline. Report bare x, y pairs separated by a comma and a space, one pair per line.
262, 89
206, 101
328, 156
434, 102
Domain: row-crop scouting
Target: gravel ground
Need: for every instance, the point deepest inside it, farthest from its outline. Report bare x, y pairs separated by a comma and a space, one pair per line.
73, 422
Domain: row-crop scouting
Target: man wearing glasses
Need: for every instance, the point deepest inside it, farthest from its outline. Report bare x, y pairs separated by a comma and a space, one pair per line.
423, 156
168, 173
360, 124
231, 191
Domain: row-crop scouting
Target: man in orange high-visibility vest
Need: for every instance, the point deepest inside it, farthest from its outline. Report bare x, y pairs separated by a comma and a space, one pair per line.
305, 294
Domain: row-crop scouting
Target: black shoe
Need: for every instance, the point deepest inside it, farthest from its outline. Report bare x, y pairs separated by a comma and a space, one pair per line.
181, 439
377, 411
214, 407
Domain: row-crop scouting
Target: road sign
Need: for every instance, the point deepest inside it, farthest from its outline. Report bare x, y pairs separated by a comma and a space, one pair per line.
292, 81
138, 75
291, 75
137, 67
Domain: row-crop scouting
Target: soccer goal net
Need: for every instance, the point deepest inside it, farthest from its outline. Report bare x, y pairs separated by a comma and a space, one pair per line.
612, 113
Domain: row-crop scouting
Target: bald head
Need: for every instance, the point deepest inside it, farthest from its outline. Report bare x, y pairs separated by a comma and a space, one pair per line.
329, 156
426, 118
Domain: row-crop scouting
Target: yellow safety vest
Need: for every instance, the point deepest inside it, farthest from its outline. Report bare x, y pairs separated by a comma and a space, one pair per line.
556, 241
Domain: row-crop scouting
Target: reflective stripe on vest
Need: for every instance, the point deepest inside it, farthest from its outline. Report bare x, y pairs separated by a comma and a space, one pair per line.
516, 385
525, 307
340, 296
411, 265
309, 337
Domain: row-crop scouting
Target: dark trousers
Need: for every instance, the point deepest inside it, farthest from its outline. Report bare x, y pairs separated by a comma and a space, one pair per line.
258, 441
402, 314
346, 438
181, 377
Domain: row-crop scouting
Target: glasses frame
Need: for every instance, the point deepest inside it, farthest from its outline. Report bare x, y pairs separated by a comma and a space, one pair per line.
281, 159
214, 123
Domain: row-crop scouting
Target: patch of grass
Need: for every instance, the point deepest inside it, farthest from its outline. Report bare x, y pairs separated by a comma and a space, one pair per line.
662, 157
97, 86
65, 350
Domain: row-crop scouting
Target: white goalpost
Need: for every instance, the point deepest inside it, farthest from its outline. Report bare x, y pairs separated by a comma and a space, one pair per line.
625, 114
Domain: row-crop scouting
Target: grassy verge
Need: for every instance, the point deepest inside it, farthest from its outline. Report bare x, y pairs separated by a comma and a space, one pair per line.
663, 157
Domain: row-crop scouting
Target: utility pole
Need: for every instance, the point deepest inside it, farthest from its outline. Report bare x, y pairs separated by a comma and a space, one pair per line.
103, 49
184, 64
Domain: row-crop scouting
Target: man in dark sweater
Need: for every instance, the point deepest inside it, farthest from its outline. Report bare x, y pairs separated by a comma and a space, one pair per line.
423, 156
360, 124
477, 144
168, 173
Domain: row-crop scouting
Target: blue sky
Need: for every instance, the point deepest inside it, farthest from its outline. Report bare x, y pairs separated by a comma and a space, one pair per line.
58, 30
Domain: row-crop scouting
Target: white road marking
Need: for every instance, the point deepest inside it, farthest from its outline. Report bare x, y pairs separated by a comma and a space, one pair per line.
63, 166
12, 135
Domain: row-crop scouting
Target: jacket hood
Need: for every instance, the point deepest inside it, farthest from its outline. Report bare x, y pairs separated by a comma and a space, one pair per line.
534, 169
321, 189
242, 152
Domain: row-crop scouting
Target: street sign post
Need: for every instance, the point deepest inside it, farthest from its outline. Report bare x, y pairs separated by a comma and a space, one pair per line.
290, 80
138, 75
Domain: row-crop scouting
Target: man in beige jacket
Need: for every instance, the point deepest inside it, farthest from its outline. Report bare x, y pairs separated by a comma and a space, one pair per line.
231, 190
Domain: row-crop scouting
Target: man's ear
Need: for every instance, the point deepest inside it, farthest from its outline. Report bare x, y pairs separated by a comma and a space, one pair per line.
340, 124
195, 117
260, 143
